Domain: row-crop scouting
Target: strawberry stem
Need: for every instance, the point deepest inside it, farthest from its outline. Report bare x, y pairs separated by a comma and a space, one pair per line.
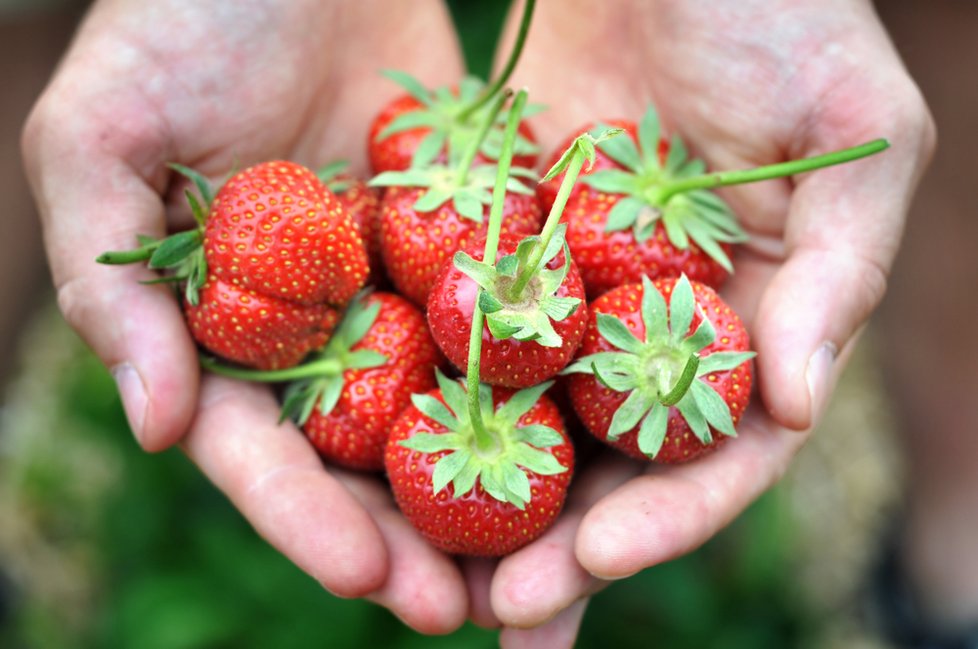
315, 369
468, 157
780, 170
574, 167
514, 57
484, 438
120, 257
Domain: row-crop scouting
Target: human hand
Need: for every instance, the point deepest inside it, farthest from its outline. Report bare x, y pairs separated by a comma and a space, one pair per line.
211, 86
745, 84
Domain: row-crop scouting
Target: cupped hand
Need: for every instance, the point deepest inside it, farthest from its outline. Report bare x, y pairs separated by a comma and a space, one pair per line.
215, 86
745, 84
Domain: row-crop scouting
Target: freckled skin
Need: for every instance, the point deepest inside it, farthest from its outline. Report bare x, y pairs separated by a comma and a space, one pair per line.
275, 228
610, 259
394, 153
256, 330
596, 404
415, 244
510, 363
475, 524
354, 433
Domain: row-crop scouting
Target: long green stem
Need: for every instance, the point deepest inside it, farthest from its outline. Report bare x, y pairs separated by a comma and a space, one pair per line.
550, 226
119, 257
484, 438
514, 57
316, 369
468, 157
790, 168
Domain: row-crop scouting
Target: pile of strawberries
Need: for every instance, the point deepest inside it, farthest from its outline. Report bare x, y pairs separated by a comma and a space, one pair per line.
427, 322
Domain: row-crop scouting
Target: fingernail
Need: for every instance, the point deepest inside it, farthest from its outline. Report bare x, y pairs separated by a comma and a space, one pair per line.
133, 394
818, 375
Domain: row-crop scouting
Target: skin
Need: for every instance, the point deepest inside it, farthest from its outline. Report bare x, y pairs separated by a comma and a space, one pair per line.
788, 78
137, 90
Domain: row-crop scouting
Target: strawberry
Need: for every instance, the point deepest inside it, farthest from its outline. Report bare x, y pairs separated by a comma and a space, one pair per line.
659, 381
520, 347
257, 330
274, 255
505, 490
362, 203
349, 425
415, 129
651, 210
347, 395
417, 238
276, 229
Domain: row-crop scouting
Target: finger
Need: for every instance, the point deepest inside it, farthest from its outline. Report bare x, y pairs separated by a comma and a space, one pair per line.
92, 200
843, 230
558, 633
424, 588
671, 511
478, 577
536, 583
274, 477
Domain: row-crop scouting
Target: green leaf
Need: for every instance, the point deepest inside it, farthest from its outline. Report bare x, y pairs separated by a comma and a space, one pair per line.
175, 248
508, 266
199, 212
612, 181
652, 433
489, 304
435, 410
559, 308
428, 148
491, 481
454, 394
615, 332
357, 321
330, 394
363, 359
714, 408
520, 403
432, 199
469, 88
468, 205
624, 214
704, 335
608, 360
330, 171
691, 412
623, 151
723, 362
408, 178
682, 307
499, 328
707, 243
408, 121
615, 380
677, 154
539, 435
537, 461
465, 479
479, 272
199, 181
517, 484
675, 230
654, 312
630, 413
412, 85
298, 401
431, 442
448, 467
649, 131
486, 406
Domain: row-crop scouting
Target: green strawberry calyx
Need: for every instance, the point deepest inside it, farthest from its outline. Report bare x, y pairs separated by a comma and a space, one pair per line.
318, 381
182, 254
667, 369
454, 118
498, 462
677, 192
467, 186
528, 315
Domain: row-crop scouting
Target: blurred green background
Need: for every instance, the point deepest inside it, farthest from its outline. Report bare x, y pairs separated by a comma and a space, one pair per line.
104, 546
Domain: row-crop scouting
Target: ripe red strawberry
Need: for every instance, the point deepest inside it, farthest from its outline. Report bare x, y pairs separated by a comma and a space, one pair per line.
480, 500
408, 124
350, 426
515, 361
257, 330
656, 381
623, 224
547, 189
275, 254
416, 243
276, 229
362, 203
